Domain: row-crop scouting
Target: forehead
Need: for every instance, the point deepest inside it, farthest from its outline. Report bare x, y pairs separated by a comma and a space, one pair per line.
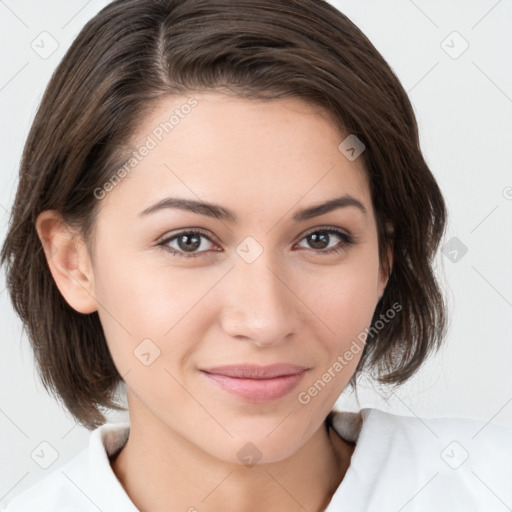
246, 154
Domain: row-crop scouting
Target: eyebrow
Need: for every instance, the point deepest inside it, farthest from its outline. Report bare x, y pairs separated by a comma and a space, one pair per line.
219, 212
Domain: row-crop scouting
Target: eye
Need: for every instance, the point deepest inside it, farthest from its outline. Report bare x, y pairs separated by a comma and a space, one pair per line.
320, 240
186, 243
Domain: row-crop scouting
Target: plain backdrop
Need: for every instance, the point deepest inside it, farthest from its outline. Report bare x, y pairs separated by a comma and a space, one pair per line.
453, 58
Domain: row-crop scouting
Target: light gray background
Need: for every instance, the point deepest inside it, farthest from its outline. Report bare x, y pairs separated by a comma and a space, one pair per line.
464, 109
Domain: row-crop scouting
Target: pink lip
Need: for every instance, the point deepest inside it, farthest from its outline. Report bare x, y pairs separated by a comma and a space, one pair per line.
257, 383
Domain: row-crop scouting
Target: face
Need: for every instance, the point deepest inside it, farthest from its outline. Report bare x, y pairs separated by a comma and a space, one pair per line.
261, 279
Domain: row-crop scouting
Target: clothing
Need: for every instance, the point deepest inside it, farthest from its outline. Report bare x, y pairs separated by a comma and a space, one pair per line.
408, 464
399, 463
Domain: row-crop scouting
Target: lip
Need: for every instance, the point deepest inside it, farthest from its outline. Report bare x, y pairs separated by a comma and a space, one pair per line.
256, 383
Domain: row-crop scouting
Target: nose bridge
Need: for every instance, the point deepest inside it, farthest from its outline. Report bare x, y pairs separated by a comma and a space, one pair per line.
260, 305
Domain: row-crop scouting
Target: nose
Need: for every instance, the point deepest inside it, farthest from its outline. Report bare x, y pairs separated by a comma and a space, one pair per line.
261, 306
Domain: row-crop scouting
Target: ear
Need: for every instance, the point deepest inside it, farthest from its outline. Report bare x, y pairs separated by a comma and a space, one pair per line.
384, 278
68, 260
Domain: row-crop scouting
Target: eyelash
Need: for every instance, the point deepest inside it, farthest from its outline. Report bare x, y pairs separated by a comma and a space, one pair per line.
348, 240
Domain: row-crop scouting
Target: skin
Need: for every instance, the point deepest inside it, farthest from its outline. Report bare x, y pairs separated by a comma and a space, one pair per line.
264, 160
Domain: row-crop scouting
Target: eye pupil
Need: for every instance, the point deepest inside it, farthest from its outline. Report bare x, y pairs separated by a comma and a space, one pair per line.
189, 247
319, 241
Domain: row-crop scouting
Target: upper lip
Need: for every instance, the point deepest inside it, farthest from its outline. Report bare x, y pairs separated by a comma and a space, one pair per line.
251, 371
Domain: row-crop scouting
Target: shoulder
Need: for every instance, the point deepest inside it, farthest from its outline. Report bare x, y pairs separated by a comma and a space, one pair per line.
423, 431
396, 425
85, 483
55, 491
452, 460
449, 424
457, 437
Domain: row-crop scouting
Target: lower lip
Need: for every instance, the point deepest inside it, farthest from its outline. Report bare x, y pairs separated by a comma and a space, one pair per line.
257, 390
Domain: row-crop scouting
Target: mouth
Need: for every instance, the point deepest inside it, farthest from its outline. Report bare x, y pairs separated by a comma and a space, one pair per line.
256, 383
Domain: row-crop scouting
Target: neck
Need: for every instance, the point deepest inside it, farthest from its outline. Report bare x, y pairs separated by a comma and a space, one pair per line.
157, 472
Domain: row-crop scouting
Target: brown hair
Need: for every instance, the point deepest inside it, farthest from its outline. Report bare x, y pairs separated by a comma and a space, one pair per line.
135, 51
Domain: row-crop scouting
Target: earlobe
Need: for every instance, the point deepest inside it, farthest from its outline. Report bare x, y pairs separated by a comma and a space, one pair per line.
68, 261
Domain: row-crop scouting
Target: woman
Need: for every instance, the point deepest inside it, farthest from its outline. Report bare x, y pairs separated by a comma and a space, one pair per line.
223, 207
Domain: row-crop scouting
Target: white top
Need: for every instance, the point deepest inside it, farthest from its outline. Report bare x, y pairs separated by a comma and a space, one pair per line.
400, 464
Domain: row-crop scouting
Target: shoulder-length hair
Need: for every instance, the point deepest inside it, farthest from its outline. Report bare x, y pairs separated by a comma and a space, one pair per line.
136, 51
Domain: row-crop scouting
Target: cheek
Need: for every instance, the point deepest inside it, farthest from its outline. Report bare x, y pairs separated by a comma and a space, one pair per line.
345, 297
149, 312
345, 303
127, 307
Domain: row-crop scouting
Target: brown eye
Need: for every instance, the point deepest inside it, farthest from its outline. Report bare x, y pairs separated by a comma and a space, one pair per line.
186, 244
320, 240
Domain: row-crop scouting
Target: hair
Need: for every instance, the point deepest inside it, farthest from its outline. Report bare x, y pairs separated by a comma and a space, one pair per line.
134, 52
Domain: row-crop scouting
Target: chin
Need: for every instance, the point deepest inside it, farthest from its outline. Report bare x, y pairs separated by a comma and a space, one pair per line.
257, 440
